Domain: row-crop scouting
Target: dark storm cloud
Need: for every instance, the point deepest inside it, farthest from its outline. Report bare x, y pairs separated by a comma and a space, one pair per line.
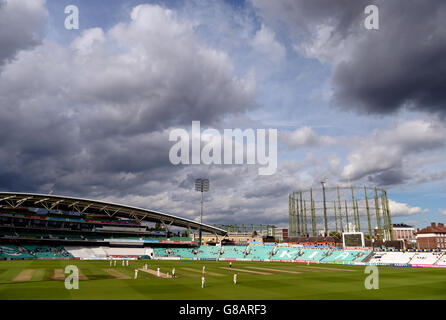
93, 118
389, 177
399, 66
270, 190
21, 26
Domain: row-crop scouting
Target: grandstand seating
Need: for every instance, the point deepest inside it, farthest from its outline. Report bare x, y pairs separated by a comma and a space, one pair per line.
185, 253
8, 234
258, 252
345, 255
104, 252
311, 255
41, 251
254, 252
392, 257
99, 252
115, 251
80, 252
160, 252
208, 252
13, 252
284, 253
320, 255
233, 252
32, 252
425, 258
441, 260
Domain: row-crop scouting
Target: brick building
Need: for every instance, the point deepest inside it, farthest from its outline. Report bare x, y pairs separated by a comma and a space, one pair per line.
405, 233
281, 234
432, 237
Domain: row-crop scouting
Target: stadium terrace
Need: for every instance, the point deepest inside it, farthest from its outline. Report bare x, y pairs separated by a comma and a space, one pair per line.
36, 226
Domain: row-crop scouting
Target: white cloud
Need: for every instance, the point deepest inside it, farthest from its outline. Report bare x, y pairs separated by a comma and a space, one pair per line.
398, 209
86, 43
386, 149
266, 43
442, 211
325, 46
305, 137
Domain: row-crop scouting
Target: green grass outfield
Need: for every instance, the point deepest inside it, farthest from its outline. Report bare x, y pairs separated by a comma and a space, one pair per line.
321, 281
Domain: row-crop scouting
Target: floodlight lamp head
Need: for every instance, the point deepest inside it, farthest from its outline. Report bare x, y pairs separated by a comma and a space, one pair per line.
202, 185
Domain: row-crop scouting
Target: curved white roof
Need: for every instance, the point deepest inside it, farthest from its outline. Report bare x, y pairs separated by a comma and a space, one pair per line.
82, 205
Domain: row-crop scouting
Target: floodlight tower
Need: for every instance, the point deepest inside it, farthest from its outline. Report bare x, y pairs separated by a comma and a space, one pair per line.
325, 209
201, 185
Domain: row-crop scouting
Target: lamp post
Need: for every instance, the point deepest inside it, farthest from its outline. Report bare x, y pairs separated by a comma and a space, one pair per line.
201, 185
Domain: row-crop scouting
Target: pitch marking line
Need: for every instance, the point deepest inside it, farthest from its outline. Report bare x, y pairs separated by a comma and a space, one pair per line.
276, 270
116, 274
155, 273
25, 275
206, 273
248, 271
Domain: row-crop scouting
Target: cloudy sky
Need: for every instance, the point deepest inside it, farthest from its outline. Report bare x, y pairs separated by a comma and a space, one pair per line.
88, 112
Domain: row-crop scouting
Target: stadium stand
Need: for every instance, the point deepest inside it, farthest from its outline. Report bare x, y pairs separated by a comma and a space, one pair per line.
441, 260
33, 252
40, 251
345, 255
208, 252
81, 252
14, 252
392, 257
99, 252
232, 252
311, 255
258, 252
425, 258
249, 252
161, 252
114, 251
105, 252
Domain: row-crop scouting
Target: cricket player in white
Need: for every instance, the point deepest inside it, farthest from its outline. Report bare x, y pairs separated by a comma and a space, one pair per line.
202, 282
123, 262
110, 263
204, 269
115, 263
145, 266
235, 278
173, 273
127, 263
158, 271
136, 273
